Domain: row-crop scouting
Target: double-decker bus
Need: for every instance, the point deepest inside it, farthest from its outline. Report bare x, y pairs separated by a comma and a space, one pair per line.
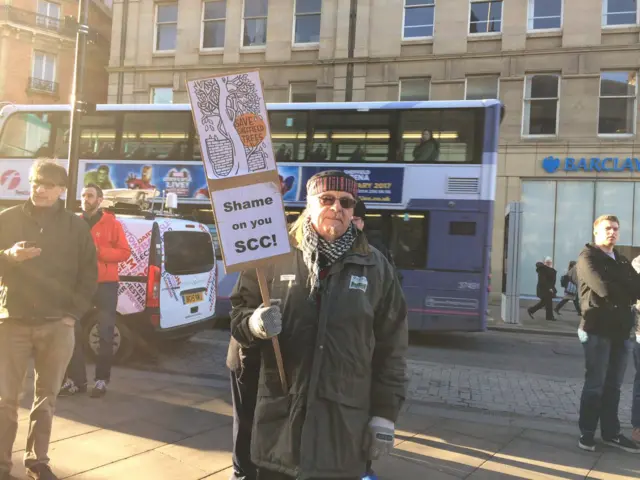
426, 170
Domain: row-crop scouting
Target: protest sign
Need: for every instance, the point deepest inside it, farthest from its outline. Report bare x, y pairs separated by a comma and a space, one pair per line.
245, 189
231, 118
250, 223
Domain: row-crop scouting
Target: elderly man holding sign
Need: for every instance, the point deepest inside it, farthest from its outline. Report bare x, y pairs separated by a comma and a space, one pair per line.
338, 309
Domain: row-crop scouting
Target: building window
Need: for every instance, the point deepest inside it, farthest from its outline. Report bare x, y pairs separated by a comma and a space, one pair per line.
255, 23
545, 14
43, 73
418, 18
307, 28
619, 12
618, 92
541, 105
485, 16
481, 88
302, 92
48, 15
213, 24
166, 26
162, 95
415, 89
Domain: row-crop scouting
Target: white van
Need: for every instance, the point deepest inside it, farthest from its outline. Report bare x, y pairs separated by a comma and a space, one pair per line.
167, 286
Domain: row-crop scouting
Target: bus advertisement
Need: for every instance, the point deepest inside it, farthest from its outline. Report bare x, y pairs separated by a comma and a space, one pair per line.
426, 171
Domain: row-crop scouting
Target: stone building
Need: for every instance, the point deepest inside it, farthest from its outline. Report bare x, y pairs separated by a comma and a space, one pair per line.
565, 69
37, 50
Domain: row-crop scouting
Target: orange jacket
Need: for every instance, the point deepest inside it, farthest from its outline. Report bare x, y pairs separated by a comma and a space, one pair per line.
111, 246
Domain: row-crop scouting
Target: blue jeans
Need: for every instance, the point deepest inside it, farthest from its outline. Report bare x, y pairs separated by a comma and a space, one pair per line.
105, 301
605, 362
635, 406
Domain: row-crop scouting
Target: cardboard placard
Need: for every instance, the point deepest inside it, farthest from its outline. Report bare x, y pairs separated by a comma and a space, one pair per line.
230, 115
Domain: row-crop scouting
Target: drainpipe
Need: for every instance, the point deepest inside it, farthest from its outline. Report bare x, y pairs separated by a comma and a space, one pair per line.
353, 14
123, 46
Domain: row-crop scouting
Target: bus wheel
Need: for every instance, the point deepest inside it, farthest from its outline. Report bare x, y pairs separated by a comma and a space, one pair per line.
122, 340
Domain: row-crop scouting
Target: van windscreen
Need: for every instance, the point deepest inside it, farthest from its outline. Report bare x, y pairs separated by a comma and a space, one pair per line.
188, 253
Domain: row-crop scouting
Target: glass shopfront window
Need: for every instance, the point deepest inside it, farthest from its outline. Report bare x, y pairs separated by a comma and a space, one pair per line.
558, 221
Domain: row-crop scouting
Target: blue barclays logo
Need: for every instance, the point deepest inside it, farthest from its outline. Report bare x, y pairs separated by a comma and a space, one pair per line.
552, 164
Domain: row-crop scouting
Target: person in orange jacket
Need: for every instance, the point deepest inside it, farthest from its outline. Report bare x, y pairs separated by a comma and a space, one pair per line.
111, 248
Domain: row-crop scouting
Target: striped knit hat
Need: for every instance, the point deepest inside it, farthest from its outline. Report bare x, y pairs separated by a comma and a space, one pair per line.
332, 180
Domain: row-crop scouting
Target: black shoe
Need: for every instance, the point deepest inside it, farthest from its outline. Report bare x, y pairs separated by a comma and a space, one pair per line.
69, 389
623, 443
552, 319
41, 471
530, 314
587, 443
557, 312
99, 390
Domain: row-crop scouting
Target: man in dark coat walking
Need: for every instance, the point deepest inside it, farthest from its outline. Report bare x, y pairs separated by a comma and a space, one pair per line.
546, 288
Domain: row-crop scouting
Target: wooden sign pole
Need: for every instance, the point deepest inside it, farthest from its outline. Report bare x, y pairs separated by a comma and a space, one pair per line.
266, 301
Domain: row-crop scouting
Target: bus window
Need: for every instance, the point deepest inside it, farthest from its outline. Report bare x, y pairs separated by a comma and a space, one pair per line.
409, 241
289, 135
441, 136
156, 136
27, 135
351, 137
98, 136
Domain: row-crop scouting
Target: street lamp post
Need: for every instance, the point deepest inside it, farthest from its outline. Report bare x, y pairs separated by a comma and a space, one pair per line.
78, 105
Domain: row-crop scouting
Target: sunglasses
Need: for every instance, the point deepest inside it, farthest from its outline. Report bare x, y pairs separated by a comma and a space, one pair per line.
345, 202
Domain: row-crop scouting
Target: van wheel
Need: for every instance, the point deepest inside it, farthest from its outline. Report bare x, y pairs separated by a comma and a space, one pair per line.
122, 340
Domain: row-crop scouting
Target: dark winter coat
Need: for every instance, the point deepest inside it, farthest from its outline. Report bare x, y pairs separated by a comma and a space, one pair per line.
344, 360
546, 280
62, 280
607, 289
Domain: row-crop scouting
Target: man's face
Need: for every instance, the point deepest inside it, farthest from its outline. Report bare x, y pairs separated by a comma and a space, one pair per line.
44, 192
90, 200
607, 233
426, 135
328, 215
358, 222
549, 263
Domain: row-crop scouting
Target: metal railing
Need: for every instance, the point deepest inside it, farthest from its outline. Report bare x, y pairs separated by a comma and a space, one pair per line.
40, 85
66, 27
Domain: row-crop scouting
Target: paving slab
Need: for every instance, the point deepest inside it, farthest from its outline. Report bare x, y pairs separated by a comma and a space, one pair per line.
616, 465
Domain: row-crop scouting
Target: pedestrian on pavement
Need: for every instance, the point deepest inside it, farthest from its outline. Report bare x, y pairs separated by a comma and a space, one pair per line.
635, 405
546, 288
244, 368
570, 288
608, 287
49, 274
112, 248
343, 322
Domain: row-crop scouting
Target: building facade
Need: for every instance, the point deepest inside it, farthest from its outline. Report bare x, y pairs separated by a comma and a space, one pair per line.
566, 71
37, 50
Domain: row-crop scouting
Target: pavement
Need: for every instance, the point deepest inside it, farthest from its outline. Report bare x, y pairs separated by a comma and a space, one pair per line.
566, 324
165, 426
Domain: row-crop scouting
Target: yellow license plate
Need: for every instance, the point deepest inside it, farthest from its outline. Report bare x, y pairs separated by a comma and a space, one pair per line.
193, 298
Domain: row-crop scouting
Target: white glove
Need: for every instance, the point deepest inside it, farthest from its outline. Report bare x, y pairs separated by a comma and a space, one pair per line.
266, 322
380, 438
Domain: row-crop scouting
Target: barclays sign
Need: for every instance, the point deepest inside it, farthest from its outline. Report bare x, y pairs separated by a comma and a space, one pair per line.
592, 164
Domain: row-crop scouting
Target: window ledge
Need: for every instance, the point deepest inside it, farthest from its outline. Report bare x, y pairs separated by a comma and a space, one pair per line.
211, 51
615, 136
481, 37
539, 137
612, 29
417, 41
253, 49
305, 46
165, 53
555, 32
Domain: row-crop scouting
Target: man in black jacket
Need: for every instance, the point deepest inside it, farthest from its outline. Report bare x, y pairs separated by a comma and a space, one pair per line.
546, 288
49, 275
608, 286
375, 240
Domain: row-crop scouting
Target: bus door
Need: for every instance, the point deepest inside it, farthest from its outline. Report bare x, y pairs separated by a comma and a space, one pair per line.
453, 296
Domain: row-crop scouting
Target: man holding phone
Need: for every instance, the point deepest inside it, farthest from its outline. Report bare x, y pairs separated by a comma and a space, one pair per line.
49, 274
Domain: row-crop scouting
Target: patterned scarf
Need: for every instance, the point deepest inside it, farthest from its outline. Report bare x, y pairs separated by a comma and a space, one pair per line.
316, 251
